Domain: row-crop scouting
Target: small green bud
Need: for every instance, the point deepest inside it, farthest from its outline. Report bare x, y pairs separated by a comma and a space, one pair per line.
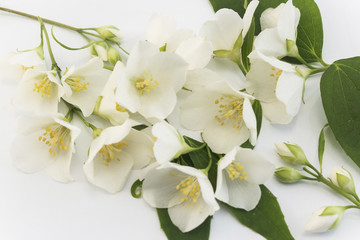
110, 32
288, 175
303, 72
291, 153
113, 56
343, 179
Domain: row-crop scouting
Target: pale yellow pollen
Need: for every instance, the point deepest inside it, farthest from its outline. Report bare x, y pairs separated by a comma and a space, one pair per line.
26, 68
56, 137
276, 74
230, 109
190, 188
78, 83
235, 171
111, 151
120, 108
146, 84
43, 87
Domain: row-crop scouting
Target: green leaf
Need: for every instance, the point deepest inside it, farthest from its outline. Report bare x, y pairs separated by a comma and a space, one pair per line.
340, 94
266, 219
247, 46
321, 146
310, 31
202, 232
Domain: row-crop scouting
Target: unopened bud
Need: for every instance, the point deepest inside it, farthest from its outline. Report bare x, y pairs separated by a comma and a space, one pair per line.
343, 179
291, 48
113, 56
99, 49
326, 218
288, 175
291, 153
110, 32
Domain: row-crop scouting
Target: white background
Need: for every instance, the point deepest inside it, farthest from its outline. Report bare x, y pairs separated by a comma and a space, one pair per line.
36, 207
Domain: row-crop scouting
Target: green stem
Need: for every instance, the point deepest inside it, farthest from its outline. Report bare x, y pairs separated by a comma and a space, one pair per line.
241, 67
89, 125
318, 70
53, 61
311, 173
338, 190
206, 170
36, 18
69, 115
298, 57
109, 68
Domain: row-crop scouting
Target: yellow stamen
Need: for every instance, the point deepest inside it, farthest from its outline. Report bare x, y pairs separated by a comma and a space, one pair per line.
26, 68
111, 151
146, 83
231, 110
120, 108
77, 84
190, 188
56, 137
235, 171
43, 87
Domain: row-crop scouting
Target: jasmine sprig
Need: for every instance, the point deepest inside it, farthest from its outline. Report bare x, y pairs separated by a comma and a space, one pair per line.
341, 180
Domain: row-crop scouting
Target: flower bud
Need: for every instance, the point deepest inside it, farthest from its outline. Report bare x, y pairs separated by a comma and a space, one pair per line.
343, 179
324, 219
291, 48
291, 153
99, 49
288, 175
113, 56
110, 32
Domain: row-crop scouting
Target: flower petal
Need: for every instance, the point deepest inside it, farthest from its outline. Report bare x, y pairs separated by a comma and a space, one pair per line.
270, 43
160, 28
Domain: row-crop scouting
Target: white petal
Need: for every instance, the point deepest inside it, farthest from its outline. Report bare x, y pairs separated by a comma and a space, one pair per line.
250, 120
198, 79
288, 21
159, 187
196, 51
289, 91
224, 30
320, 223
139, 147
248, 16
196, 111
223, 138
177, 38
160, 28
167, 143
59, 170
188, 215
112, 177
257, 168
275, 112
270, 43
269, 17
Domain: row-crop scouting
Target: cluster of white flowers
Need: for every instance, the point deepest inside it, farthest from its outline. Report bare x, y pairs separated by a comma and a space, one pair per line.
147, 89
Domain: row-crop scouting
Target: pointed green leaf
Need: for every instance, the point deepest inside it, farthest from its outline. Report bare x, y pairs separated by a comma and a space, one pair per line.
236, 5
321, 146
247, 46
266, 219
202, 232
340, 94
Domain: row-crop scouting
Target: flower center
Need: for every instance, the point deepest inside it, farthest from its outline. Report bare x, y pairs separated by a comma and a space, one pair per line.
43, 87
190, 188
236, 171
77, 84
146, 84
230, 109
110, 152
56, 137
276, 75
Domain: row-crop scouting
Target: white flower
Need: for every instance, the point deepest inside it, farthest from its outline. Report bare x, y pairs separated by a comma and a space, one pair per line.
196, 51
185, 191
325, 218
15, 64
277, 85
99, 50
343, 179
107, 106
240, 172
149, 83
227, 27
278, 25
224, 114
84, 85
45, 142
169, 144
38, 91
114, 153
